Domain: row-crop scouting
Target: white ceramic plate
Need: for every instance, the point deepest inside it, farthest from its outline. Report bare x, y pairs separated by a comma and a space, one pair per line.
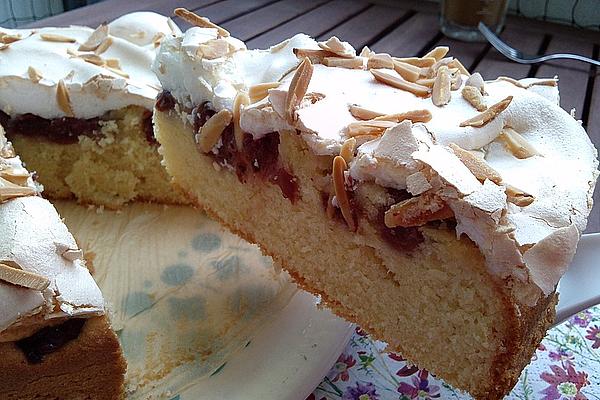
186, 296
579, 288
287, 359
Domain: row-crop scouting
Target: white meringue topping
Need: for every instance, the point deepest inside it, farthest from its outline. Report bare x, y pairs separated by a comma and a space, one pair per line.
92, 89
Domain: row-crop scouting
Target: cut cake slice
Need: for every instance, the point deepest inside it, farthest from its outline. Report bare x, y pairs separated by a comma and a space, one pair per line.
436, 210
55, 338
88, 134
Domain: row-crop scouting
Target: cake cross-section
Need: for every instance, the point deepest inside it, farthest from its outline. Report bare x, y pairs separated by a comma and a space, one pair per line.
434, 208
55, 338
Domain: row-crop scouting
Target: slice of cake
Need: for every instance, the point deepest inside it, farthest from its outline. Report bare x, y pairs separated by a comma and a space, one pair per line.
55, 339
77, 105
436, 210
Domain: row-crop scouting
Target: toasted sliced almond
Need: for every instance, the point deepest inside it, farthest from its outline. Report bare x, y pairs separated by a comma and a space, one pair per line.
9, 190
426, 82
382, 60
455, 79
6, 38
4, 46
297, 89
34, 74
18, 177
158, 38
432, 71
518, 197
215, 48
438, 53
341, 62
92, 59
199, 21
413, 116
260, 91
363, 113
19, 277
476, 81
455, 63
335, 45
366, 52
312, 97
62, 98
474, 97
397, 82
213, 128
106, 43
548, 82
545, 82
113, 63
339, 186
513, 81
440, 93
517, 144
117, 71
315, 56
371, 127
241, 100
347, 150
51, 37
72, 254
417, 211
95, 39
486, 116
417, 61
478, 166
407, 71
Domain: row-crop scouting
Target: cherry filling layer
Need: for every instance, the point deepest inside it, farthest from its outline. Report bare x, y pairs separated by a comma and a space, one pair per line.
257, 158
64, 130
50, 339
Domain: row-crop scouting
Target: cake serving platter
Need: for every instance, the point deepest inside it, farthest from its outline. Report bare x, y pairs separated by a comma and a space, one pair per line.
579, 288
200, 313
203, 315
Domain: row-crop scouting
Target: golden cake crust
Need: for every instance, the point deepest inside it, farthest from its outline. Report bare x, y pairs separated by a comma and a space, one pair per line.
66, 374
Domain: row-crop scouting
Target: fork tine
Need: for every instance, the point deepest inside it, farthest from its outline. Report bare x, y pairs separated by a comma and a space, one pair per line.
497, 42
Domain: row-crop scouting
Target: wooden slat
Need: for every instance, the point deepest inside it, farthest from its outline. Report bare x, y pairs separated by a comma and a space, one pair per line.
225, 10
313, 23
365, 27
573, 75
410, 37
253, 24
108, 10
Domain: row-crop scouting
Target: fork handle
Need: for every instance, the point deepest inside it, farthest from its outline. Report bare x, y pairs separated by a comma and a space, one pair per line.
570, 57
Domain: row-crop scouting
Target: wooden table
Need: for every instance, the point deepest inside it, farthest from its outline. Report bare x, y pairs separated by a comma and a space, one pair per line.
407, 28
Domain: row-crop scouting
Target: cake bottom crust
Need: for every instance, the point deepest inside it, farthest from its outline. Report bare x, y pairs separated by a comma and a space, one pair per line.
91, 367
418, 305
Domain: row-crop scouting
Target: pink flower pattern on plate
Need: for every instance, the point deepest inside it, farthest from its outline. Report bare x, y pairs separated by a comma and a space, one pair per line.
566, 366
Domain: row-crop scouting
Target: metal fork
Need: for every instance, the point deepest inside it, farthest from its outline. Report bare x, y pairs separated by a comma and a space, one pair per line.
519, 57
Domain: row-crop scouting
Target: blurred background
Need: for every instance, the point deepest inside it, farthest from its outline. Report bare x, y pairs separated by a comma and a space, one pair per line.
578, 13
